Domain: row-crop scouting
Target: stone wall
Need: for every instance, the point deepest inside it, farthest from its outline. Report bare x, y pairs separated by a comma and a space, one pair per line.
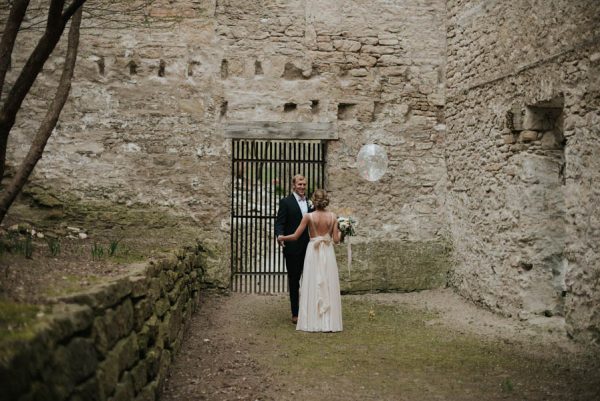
114, 342
144, 126
521, 152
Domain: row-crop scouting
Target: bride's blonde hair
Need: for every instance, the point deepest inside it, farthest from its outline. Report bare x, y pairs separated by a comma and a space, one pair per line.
320, 199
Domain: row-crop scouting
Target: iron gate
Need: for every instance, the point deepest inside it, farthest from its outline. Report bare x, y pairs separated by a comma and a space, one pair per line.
262, 174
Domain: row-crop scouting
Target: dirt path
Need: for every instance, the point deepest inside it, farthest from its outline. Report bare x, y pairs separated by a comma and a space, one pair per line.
430, 345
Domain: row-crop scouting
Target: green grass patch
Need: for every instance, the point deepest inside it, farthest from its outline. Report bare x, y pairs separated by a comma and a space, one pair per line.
16, 320
394, 349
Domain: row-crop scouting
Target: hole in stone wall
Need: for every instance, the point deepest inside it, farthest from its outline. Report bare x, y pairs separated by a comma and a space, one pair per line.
346, 111
377, 110
132, 67
223, 110
289, 107
258, 68
314, 106
224, 69
291, 72
101, 65
161, 68
191, 67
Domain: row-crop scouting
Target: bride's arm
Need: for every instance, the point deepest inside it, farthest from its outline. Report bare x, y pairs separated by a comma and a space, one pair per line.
297, 233
337, 235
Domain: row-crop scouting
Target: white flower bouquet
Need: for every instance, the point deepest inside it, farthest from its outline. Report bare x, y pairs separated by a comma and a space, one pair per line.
347, 226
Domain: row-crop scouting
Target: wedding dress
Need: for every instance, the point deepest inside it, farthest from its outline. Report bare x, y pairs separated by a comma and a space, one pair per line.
320, 299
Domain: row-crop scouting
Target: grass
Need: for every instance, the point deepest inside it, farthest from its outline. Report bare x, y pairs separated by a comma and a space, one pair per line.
15, 320
393, 350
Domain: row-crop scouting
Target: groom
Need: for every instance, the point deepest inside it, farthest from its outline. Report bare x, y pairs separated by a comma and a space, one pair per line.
289, 215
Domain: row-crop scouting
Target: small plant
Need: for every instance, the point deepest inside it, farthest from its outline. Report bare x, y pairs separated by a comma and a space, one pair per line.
53, 246
21, 246
507, 385
97, 251
113, 246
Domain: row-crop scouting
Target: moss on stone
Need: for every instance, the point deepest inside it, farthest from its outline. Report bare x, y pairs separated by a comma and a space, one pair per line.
16, 321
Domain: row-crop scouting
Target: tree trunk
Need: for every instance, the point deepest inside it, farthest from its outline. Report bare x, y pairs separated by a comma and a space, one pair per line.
57, 20
49, 122
13, 23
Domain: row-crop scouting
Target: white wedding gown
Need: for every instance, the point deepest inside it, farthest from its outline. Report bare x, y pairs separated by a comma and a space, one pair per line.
320, 299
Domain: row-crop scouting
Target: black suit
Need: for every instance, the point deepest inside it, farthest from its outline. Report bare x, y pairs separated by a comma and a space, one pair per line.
288, 219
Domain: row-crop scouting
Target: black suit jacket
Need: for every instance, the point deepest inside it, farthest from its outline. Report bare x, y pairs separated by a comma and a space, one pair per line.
288, 219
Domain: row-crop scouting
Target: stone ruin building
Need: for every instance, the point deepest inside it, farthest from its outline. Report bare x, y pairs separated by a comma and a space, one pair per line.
489, 111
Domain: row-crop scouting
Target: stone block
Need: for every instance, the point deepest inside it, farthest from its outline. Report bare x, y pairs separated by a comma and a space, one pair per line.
165, 362
139, 286
115, 324
161, 307
148, 334
69, 366
124, 389
148, 393
347, 45
142, 310
509, 139
103, 296
139, 375
154, 290
88, 391
552, 140
153, 363
167, 280
123, 356
528, 136
68, 319
359, 72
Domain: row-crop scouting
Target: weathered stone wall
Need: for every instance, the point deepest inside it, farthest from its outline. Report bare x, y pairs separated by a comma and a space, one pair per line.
114, 342
521, 152
144, 126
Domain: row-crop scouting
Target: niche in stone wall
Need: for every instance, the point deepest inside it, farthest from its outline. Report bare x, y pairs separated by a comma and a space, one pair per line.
132, 67
291, 72
289, 107
538, 197
192, 67
224, 69
346, 111
258, 70
101, 65
161, 68
223, 109
314, 106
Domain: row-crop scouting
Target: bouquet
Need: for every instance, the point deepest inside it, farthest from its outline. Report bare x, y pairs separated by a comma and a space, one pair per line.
347, 226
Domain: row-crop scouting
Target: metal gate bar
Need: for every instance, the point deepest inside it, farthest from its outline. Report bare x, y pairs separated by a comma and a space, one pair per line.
261, 174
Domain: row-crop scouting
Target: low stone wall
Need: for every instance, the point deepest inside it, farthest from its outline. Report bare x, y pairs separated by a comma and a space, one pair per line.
394, 266
114, 342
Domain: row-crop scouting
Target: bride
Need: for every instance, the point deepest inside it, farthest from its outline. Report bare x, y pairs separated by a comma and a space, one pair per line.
320, 299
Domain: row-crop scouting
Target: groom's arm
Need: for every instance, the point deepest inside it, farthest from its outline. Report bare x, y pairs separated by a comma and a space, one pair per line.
281, 218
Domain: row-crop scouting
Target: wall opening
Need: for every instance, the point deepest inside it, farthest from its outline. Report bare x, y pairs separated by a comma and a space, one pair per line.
258, 68
346, 111
132, 67
161, 68
101, 65
224, 69
289, 107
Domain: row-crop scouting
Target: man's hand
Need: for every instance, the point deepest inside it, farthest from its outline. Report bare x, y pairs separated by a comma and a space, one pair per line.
280, 242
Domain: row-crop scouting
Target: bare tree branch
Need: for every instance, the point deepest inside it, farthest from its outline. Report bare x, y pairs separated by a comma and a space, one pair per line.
46, 44
15, 19
50, 120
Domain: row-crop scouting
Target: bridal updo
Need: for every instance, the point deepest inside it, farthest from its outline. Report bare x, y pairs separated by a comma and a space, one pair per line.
320, 199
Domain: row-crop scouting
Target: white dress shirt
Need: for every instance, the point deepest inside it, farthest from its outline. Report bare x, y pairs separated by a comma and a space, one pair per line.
302, 203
